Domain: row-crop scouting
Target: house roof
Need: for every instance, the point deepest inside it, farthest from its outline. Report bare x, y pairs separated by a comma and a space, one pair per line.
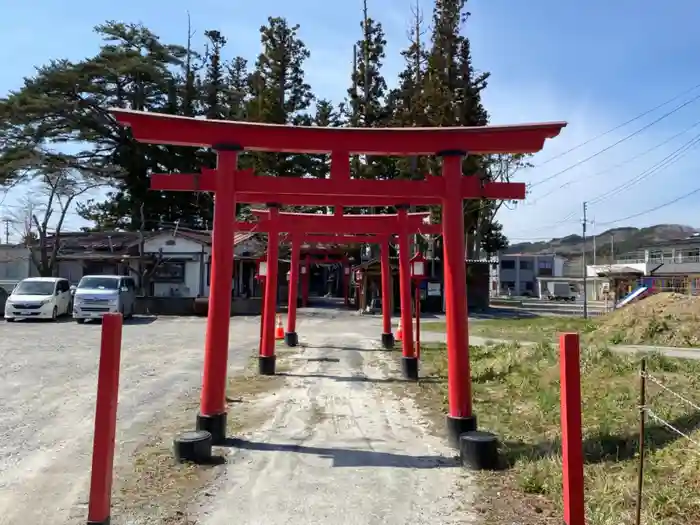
203, 236
120, 242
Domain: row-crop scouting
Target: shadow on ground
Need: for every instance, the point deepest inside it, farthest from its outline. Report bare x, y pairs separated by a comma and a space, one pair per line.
342, 348
364, 379
606, 447
344, 457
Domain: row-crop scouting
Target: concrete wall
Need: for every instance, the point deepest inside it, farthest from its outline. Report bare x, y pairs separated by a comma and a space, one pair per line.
15, 263
193, 306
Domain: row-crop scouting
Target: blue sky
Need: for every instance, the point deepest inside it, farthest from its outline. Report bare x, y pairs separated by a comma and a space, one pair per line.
594, 64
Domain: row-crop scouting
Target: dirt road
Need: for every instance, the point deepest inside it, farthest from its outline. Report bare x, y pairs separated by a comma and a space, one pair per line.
339, 447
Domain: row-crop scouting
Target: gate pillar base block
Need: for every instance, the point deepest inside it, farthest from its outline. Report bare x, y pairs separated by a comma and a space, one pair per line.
266, 365
456, 426
193, 447
388, 341
291, 339
214, 425
105, 521
409, 368
478, 450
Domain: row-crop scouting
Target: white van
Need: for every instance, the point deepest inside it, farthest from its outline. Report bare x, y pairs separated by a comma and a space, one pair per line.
39, 298
97, 295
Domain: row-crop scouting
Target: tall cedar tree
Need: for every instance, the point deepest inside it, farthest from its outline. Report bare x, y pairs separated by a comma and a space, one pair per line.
453, 98
367, 94
280, 94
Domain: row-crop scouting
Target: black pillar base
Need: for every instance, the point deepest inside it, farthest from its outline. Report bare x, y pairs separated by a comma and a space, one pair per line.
479, 450
105, 521
215, 425
266, 365
456, 426
291, 339
193, 447
388, 341
409, 368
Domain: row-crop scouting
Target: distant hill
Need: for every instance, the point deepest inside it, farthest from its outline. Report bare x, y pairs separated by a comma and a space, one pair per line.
626, 240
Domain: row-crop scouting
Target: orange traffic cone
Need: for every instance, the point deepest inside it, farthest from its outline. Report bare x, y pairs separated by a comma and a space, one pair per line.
399, 332
279, 329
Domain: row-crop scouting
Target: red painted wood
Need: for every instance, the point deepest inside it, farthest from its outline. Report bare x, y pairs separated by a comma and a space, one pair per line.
330, 192
571, 431
101, 476
159, 128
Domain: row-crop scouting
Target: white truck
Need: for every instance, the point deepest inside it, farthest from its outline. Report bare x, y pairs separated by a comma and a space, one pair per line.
560, 292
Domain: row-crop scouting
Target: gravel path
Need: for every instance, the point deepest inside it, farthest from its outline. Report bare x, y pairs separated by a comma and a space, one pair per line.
48, 377
339, 447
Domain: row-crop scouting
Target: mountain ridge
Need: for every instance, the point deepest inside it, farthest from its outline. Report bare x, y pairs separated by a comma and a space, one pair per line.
623, 240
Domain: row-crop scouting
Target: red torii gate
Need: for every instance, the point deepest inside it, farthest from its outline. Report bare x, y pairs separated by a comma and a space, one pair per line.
298, 224
232, 185
330, 241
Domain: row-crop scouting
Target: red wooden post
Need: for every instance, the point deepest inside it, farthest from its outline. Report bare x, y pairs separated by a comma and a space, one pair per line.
305, 282
418, 319
409, 362
291, 337
262, 313
460, 418
387, 334
266, 360
346, 282
105, 421
571, 433
212, 416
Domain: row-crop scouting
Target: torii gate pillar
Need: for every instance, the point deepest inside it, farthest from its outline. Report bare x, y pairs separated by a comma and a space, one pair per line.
460, 418
212, 416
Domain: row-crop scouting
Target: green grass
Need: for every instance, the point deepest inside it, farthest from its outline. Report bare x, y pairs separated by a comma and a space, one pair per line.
536, 329
516, 395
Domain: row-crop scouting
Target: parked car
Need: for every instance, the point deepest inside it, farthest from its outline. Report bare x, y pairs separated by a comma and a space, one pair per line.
97, 295
39, 298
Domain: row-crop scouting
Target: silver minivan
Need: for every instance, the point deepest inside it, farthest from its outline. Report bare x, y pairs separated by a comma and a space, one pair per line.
97, 295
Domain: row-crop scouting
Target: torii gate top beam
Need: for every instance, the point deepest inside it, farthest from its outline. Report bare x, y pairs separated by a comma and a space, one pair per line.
159, 128
330, 219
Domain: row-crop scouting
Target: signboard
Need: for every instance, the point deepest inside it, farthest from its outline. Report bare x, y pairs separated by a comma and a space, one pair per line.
433, 289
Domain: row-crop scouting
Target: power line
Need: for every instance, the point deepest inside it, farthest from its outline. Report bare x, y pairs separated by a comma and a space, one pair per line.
601, 135
623, 139
650, 210
619, 165
663, 164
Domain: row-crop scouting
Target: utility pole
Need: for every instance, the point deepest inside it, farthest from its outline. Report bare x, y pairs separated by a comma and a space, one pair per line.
612, 248
585, 269
593, 238
7, 230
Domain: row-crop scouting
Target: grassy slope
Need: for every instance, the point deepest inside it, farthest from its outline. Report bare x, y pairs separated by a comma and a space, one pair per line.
516, 395
537, 329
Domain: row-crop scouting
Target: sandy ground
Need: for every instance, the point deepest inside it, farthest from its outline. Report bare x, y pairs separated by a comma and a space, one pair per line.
48, 374
339, 447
